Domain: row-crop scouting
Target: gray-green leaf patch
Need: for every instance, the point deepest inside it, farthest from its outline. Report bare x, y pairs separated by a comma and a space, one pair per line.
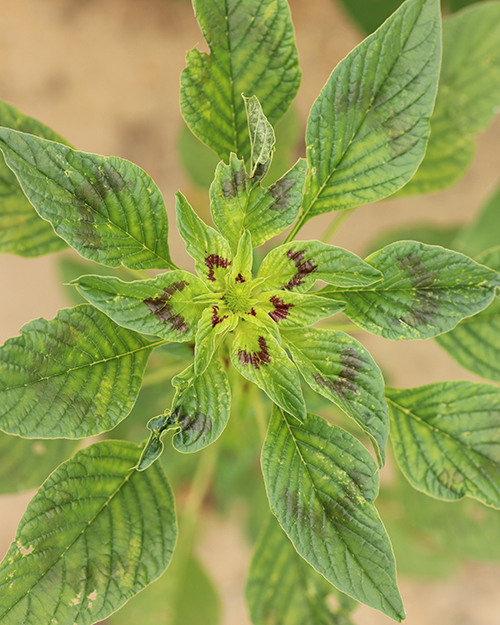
239, 202
162, 306
341, 369
96, 533
74, 376
262, 137
108, 209
321, 483
426, 290
252, 51
447, 438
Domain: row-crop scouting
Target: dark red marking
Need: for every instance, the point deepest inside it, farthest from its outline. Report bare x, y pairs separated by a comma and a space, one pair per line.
256, 359
281, 309
160, 307
215, 317
304, 268
240, 278
213, 261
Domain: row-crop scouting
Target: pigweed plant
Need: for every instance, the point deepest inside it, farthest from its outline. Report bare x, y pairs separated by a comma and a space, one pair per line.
103, 526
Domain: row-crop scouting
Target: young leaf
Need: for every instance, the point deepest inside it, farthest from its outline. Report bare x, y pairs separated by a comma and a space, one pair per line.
216, 321
261, 360
108, 209
262, 137
368, 129
321, 483
22, 232
25, 464
297, 265
475, 342
292, 310
338, 367
252, 51
96, 533
201, 407
283, 588
162, 306
446, 438
74, 376
237, 202
426, 291
468, 96
211, 252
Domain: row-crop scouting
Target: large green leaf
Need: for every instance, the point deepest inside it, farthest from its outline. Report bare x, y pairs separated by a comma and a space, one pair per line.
252, 51
211, 252
291, 310
238, 202
22, 232
25, 464
321, 483
338, 367
475, 342
297, 265
74, 376
258, 356
162, 306
108, 209
468, 96
447, 438
201, 407
96, 533
282, 588
368, 129
426, 291
424, 233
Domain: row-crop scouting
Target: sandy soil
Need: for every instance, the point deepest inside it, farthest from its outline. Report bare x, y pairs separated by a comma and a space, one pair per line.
105, 74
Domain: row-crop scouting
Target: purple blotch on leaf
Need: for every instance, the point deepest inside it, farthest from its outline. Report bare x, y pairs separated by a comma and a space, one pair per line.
281, 309
304, 268
163, 310
214, 261
256, 359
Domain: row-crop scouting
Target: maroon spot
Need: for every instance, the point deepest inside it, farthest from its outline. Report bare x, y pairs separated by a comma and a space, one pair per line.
281, 309
304, 268
240, 278
215, 317
164, 312
213, 261
256, 359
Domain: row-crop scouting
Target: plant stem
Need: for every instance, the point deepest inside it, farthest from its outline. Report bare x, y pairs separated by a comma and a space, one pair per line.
335, 224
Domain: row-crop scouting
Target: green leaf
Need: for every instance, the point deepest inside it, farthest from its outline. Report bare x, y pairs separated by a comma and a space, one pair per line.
210, 250
446, 439
423, 233
252, 51
215, 323
321, 483
297, 265
22, 232
468, 96
282, 588
426, 291
368, 129
96, 533
74, 376
483, 233
258, 356
24, 464
238, 202
475, 342
162, 306
291, 310
201, 407
338, 367
262, 137
108, 209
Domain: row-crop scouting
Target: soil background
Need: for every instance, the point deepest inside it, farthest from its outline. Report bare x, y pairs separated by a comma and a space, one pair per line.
105, 74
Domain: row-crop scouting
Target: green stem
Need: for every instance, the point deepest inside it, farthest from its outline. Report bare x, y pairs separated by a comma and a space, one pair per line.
335, 224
